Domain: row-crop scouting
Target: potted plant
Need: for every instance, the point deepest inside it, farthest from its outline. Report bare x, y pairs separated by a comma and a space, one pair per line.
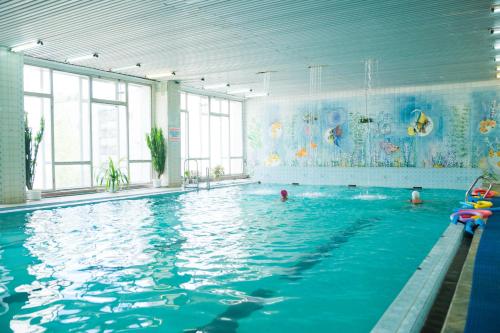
112, 177
156, 144
218, 172
31, 145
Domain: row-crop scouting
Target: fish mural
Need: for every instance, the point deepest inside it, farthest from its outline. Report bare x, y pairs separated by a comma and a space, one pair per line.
455, 128
334, 135
302, 152
388, 147
276, 130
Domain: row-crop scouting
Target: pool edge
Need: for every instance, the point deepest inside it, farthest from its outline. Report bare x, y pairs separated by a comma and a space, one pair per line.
408, 311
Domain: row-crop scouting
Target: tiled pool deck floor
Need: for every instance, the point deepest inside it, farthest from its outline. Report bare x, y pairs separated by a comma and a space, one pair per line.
105, 196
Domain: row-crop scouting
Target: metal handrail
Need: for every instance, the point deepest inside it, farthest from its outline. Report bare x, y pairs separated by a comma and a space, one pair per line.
472, 187
208, 178
467, 194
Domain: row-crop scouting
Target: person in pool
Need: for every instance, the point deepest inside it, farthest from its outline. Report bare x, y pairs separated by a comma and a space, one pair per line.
284, 195
415, 198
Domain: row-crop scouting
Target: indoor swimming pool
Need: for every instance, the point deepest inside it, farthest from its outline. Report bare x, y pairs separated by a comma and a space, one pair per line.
233, 259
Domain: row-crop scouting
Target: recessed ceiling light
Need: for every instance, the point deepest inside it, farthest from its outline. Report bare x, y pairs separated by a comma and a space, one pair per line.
124, 68
260, 94
84, 57
159, 75
239, 91
26, 46
217, 86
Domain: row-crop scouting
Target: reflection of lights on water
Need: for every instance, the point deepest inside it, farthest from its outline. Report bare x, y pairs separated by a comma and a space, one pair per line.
78, 248
370, 197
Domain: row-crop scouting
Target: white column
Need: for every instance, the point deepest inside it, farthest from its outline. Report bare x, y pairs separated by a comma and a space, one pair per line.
12, 167
167, 116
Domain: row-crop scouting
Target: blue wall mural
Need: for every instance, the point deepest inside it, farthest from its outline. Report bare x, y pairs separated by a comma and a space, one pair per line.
450, 128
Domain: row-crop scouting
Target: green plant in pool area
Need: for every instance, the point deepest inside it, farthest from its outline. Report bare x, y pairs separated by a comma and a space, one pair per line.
218, 171
112, 177
156, 144
31, 146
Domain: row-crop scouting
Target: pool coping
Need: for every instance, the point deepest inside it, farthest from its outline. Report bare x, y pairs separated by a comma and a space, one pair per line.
83, 199
408, 311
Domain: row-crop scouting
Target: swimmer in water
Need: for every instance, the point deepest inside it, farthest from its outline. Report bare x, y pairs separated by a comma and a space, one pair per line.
415, 198
284, 195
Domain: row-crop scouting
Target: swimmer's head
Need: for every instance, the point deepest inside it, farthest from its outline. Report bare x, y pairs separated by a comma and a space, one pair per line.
415, 195
284, 194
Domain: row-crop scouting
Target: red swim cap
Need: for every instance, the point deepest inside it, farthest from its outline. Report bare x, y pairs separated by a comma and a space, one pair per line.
284, 193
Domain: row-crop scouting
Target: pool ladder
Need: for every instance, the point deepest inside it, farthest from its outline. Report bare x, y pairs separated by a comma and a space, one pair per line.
471, 188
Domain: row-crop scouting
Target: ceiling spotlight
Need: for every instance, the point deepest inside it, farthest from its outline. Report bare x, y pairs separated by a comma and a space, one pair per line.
217, 86
26, 46
495, 31
84, 57
124, 68
159, 75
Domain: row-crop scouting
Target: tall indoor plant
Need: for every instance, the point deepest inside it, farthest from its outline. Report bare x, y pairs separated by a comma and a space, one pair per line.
156, 144
31, 146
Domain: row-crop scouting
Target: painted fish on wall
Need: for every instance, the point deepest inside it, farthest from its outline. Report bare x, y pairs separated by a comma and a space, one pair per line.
389, 147
334, 135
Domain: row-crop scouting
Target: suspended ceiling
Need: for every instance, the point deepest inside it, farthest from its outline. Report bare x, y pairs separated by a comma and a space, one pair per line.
412, 42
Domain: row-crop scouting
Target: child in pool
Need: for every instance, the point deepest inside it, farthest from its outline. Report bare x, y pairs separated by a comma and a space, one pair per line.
284, 195
415, 198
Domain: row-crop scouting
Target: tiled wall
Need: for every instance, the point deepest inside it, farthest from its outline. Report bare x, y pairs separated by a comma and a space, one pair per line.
12, 172
332, 133
449, 178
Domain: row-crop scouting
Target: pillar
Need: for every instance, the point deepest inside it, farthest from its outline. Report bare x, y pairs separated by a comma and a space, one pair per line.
12, 167
167, 115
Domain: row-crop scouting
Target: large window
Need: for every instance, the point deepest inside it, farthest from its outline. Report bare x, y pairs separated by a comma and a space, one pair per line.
211, 133
87, 121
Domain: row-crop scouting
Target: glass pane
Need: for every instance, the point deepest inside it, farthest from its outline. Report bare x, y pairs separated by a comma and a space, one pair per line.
107, 89
236, 124
139, 109
236, 166
183, 101
71, 118
194, 126
109, 134
225, 137
140, 173
36, 108
214, 105
71, 176
36, 79
224, 106
215, 142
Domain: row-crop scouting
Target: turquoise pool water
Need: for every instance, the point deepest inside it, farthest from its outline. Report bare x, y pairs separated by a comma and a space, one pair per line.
228, 260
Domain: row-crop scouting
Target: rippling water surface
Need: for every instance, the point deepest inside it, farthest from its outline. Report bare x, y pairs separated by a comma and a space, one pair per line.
228, 260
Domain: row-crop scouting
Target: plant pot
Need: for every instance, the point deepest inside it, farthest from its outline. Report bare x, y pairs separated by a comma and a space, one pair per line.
156, 183
113, 188
34, 195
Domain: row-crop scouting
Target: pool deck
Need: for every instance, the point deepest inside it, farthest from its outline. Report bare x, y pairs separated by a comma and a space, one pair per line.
106, 196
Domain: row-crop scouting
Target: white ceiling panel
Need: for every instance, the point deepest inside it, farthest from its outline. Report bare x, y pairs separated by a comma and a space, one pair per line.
412, 42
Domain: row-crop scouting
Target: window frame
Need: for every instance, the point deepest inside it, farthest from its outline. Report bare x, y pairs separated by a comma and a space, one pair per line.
91, 101
184, 112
